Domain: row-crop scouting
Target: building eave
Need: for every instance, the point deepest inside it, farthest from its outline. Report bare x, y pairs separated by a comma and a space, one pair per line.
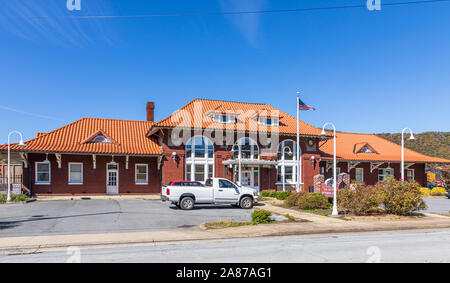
84, 153
326, 137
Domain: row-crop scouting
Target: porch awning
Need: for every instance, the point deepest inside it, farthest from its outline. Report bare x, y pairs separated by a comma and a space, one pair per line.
247, 162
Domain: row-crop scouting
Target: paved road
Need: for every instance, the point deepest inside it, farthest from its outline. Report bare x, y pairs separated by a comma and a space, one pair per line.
403, 246
438, 205
106, 216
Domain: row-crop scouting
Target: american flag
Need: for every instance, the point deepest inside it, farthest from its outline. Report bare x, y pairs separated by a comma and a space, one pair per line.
303, 106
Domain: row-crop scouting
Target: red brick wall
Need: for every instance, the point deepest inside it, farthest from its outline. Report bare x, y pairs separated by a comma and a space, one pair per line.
175, 169
309, 171
94, 180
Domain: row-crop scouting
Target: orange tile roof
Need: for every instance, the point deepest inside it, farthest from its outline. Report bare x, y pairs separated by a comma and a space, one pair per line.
195, 115
348, 145
129, 138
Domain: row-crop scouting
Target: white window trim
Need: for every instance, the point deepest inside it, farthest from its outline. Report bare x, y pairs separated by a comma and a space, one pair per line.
203, 158
68, 181
49, 173
204, 163
230, 119
274, 121
287, 162
384, 173
413, 174
254, 147
362, 175
136, 172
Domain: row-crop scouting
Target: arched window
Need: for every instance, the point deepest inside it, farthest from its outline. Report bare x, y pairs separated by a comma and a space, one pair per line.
287, 150
287, 162
199, 159
246, 148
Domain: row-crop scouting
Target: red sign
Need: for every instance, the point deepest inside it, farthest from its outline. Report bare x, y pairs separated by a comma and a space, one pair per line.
327, 191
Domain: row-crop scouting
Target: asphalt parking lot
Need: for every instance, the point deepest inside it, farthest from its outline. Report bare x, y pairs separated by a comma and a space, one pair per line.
107, 216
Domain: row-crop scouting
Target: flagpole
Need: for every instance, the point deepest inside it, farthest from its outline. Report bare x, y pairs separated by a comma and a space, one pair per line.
298, 143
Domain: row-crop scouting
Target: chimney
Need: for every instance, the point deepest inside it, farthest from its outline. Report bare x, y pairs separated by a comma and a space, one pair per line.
151, 111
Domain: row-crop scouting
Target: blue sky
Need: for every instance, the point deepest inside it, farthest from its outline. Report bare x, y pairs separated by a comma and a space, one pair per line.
366, 71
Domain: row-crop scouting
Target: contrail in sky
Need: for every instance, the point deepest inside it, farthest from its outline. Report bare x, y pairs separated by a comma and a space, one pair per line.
30, 114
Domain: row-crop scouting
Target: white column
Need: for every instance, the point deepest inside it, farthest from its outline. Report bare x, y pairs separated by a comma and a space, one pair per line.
402, 167
240, 173
335, 211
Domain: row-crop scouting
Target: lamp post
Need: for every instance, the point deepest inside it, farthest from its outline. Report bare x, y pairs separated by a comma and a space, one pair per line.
9, 160
411, 137
335, 211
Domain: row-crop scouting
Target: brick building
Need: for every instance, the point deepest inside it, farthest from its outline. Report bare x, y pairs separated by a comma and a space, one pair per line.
252, 144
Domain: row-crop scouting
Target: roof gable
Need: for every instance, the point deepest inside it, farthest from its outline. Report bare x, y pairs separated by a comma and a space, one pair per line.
364, 148
99, 137
349, 146
128, 138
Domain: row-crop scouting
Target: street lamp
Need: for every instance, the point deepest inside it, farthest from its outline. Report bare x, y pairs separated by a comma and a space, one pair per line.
411, 137
9, 160
335, 211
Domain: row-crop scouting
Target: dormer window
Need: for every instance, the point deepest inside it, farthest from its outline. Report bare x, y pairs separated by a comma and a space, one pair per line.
100, 139
269, 121
366, 149
224, 118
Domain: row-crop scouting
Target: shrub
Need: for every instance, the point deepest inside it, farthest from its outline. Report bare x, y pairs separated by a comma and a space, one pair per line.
313, 201
425, 192
283, 195
401, 198
261, 217
14, 198
18, 198
292, 200
277, 195
359, 199
438, 191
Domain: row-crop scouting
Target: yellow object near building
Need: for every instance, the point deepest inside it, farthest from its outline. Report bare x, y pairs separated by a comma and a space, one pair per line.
431, 177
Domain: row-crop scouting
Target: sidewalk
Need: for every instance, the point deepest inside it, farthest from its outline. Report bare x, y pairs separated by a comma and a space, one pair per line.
317, 225
79, 197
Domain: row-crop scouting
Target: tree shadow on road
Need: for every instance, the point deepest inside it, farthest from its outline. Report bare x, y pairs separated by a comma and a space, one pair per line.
12, 224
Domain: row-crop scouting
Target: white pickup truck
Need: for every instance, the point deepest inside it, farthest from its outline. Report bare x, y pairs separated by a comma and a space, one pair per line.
214, 191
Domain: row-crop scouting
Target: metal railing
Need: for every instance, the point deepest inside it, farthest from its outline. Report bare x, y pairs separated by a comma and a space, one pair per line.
14, 180
16, 184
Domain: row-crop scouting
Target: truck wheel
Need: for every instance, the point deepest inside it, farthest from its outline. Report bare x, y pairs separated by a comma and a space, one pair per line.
246, 203
187, 203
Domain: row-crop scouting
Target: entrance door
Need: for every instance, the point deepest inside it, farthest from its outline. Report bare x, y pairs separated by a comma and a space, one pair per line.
247, 178
112, 179
250, 178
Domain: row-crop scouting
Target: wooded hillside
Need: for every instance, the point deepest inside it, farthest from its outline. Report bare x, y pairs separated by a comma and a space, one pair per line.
434, 144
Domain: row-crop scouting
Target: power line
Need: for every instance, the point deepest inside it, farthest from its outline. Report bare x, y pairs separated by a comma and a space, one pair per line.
246, 12
261, 11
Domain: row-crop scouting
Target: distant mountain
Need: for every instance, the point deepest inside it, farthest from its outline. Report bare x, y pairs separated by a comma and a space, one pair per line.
436, 144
